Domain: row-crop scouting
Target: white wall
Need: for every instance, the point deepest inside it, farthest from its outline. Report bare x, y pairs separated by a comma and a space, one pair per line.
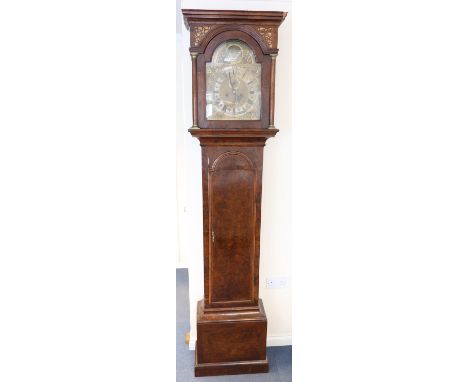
275, 247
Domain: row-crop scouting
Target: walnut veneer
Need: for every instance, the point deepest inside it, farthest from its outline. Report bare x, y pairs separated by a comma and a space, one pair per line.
231, 321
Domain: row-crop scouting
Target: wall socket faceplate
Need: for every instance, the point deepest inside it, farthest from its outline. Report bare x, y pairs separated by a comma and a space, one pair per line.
277, 282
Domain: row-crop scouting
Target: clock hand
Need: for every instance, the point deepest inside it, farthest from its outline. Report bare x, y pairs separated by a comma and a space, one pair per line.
230, 80
232, 88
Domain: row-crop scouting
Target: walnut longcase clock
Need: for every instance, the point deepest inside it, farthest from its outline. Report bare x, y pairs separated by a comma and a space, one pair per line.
233, 82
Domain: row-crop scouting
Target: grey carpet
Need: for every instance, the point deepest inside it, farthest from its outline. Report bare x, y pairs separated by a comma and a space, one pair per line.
279, 357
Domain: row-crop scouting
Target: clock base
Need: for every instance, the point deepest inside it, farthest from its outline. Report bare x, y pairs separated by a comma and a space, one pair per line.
230, 368
231, 341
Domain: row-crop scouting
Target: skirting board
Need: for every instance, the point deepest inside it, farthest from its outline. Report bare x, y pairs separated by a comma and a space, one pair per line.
271, 341
279, 340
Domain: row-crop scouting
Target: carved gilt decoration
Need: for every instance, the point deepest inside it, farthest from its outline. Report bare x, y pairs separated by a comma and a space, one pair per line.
267, 34
199, 33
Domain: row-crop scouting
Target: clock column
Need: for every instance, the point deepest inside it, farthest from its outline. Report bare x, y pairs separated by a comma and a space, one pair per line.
194, 91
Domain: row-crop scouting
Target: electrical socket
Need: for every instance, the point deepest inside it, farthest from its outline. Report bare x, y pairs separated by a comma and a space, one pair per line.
276, 282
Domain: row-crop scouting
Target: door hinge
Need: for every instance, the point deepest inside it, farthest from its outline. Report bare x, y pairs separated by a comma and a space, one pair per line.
212, 236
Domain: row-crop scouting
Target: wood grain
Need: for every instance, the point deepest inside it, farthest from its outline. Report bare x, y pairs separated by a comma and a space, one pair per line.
231, 320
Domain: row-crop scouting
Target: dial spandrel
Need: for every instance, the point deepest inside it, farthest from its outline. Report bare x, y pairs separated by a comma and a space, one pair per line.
233, 83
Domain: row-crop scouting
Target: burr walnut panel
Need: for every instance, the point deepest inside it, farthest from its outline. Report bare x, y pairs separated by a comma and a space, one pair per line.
231, 187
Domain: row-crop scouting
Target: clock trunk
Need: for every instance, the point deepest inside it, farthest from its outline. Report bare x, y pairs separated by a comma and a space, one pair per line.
232, 205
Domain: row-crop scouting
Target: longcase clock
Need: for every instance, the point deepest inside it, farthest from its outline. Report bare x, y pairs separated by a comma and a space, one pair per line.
233, 90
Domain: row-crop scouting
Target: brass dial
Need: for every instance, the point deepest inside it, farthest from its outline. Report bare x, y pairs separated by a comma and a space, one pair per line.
233, 83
